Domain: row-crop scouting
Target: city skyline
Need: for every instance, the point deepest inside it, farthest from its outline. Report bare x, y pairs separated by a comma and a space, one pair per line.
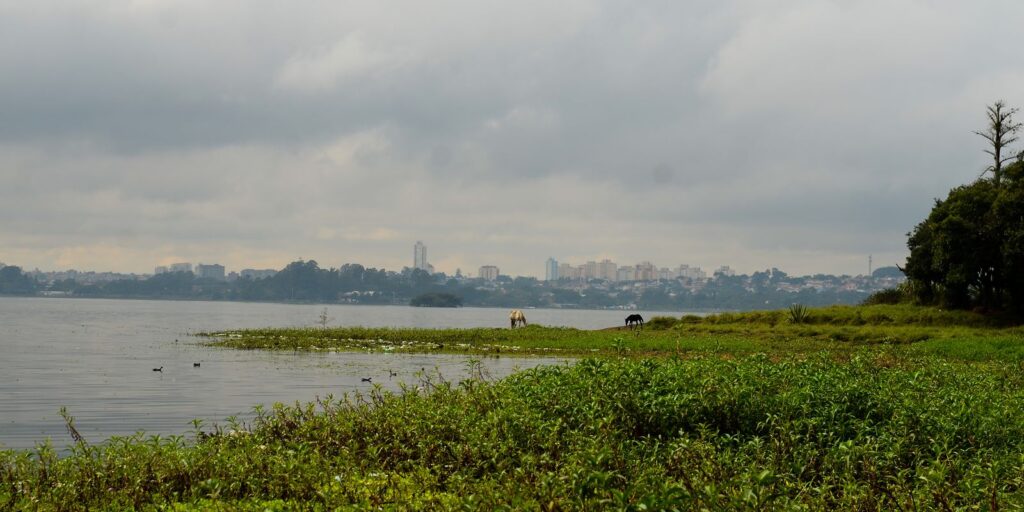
710, 133
605, 269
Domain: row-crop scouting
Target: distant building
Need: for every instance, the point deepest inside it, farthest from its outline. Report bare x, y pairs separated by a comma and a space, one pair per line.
565, 271
160, 270
180, 267
419, 256
215, 272
725, 271
626, 273
688, 272
232, 276
645, 271
607, 270
551, 270
250, 273
489, 272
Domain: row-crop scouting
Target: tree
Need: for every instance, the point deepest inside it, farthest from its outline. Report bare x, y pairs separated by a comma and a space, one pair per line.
14, 282
436, 300
1000, 133
969, 252
954, 253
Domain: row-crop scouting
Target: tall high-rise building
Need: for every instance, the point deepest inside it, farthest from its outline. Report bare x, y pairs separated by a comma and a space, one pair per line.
551, 270
607, 270
419, 256
625, 273
645, 271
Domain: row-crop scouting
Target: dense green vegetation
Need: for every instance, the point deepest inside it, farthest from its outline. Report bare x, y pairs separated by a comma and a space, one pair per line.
14, 282
969, 252
872, 433
872, 408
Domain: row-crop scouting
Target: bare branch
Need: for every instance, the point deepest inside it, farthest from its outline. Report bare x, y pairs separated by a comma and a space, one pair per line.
999, 134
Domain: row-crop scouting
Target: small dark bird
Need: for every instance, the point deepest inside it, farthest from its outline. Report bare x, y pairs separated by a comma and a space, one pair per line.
195, 365
392, 373
161, 369
367, 379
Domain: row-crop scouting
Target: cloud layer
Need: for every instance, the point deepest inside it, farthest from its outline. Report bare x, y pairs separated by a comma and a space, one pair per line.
798, 134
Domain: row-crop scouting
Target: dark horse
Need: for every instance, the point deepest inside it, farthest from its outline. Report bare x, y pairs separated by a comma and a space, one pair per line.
635, 320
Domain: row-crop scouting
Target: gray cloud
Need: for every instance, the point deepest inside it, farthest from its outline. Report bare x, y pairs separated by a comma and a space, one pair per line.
802, 135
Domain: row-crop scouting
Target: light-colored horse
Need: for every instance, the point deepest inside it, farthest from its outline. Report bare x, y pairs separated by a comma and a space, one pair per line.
517, 317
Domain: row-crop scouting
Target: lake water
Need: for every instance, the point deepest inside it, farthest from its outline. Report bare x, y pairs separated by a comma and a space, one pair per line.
96, 357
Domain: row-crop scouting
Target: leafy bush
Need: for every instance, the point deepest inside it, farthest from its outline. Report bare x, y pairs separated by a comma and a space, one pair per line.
888, 296
662, 322
691, 319
712, 434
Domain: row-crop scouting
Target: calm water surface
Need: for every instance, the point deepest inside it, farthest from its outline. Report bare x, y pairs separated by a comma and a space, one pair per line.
96, 357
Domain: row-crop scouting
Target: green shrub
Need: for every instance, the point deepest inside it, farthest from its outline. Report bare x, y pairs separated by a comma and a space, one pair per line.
661, 322
889, 296
691, 319
798, 314
703, 434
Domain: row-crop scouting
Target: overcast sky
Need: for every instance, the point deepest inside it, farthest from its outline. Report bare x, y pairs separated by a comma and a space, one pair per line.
803, 135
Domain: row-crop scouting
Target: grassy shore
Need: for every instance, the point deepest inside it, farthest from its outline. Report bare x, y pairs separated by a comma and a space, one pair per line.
744, 411
841, 330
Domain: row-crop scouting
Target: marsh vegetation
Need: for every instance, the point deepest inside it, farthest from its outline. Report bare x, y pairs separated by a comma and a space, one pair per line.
881, 408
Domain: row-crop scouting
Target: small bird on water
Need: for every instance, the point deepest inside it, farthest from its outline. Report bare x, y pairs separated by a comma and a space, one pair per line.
161, 369
367, 379
195, 365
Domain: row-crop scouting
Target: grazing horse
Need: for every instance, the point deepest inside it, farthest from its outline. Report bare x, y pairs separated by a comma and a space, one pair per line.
517, 317
634, 320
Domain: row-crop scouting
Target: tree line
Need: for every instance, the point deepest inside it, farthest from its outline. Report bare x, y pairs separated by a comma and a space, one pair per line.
307, 282
969, 252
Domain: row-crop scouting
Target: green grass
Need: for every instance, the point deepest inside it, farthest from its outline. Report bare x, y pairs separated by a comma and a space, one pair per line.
705, 433
874, 408
840, 329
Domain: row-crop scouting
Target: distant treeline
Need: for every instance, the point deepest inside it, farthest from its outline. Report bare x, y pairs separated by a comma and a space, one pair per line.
14, 282
305, 281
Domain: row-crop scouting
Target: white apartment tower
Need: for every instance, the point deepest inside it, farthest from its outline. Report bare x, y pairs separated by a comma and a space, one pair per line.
419, 256
551, 270
489, 272
607, 270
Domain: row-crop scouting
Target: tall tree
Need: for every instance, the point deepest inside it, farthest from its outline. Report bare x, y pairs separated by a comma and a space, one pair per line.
1000, 133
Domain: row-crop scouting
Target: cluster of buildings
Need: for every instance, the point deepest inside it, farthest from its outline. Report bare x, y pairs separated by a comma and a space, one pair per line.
81, 277
610, 271
214, 271
606, 270
419, 261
